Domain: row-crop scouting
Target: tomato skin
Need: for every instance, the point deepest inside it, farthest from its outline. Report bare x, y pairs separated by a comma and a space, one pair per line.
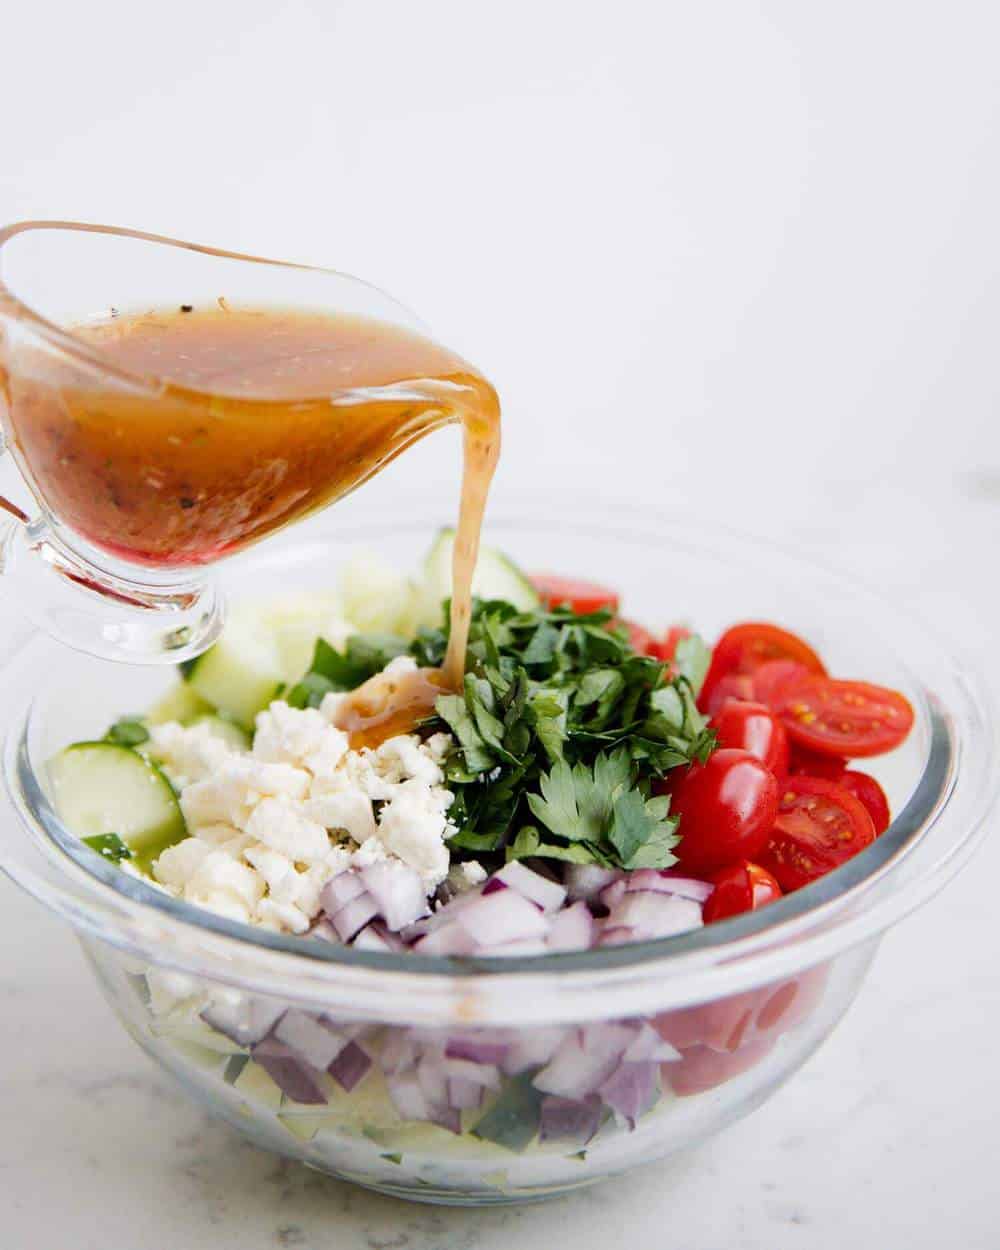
727, 807
640, 639
852, 718
755, 728
666, 647
738, 888
811, 764
580, 596
701, 1068
771, 679
819, 826
871, 794
730, 686
743, 648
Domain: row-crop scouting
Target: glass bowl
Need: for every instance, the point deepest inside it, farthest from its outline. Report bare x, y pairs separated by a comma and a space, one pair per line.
714, 1020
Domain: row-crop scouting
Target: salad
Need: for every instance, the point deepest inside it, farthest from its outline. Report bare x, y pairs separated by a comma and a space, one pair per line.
593, 783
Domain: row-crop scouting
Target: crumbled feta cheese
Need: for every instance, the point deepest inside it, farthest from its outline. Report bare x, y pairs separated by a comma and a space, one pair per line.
271, 827
187, 753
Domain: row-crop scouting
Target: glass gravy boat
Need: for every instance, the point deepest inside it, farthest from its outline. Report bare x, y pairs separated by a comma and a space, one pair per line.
98, 567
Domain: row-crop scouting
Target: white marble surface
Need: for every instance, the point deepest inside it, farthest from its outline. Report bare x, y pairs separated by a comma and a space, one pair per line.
761, 240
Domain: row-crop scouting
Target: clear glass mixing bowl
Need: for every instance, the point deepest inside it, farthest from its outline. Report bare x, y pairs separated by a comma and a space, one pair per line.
723, 1015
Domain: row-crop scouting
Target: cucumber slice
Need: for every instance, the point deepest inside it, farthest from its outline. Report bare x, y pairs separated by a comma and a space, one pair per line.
100, 787
231, 734
496, 577
294, 622
240, 675
378, 599
180, 703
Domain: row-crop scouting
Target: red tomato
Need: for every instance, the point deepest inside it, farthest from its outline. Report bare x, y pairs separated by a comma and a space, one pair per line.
730, 686
639, 639
581, 597
811, 764
755, 728
844, 717
744, 648
666, 648
727, 807
700, 1068
818, 828
868, 790
738, 888
771, 678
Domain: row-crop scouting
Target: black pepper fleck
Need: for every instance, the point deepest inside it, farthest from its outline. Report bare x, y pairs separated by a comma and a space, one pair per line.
187, 307
186, 502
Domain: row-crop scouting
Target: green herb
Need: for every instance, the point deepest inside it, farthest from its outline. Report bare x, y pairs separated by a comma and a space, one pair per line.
513, 1120
561, 731
392, 1158
129, 731
331, 670
110, 846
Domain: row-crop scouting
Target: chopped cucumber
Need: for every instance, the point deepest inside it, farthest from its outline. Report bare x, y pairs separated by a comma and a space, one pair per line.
180, 703
378, 599
232, 735
240, 675
496, 577
513, 1120
101, 787
294, 622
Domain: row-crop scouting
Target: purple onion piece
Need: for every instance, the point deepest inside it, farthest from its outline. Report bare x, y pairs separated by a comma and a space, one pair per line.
340, 891
312, 1041
546, 894
296, 1080
464, 1095
247, 1023
630, 1091
493, 886
476, 1049
353, 916
566, 1119
351, 1066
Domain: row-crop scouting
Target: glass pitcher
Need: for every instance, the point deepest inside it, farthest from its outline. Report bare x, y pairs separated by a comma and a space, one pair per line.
117, 561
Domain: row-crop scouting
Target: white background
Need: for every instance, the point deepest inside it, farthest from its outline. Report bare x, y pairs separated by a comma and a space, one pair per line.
738, 258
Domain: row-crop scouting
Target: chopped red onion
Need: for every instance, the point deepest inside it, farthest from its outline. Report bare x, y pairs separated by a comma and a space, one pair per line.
517, 949
309, 1039
586, 881
567, 1119
617, 935
631, 1090
350, 1066
607, 1037
399, 1051
245, 1023
613, 894
482, 1073
655, 915
572, 928
476, 1048
398, 892
407, 1096
530, 1048
297, 1080
433, 1080
648, 1044
492, 886
661, 882
373, 937
573, 1071
464, 1095
448, 940
500, 918
548, 895
354, 915
340, 890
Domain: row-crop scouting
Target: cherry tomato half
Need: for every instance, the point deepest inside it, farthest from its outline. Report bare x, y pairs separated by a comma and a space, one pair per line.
868, 790
727, 807
755, 728
819, 827
738, 888
771, 679
745, 647
666, 647
582, 597
844, 717
730, 686
812, 764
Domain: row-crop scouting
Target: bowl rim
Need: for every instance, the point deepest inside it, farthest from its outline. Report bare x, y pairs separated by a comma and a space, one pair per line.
951, 800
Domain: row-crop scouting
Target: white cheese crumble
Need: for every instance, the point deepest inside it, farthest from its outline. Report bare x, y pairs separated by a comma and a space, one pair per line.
270, 827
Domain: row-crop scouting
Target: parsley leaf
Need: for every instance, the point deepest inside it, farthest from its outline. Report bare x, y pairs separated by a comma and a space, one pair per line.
109, 846
129, 731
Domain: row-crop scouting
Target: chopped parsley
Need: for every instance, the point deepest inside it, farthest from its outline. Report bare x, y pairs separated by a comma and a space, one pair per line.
561, 732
